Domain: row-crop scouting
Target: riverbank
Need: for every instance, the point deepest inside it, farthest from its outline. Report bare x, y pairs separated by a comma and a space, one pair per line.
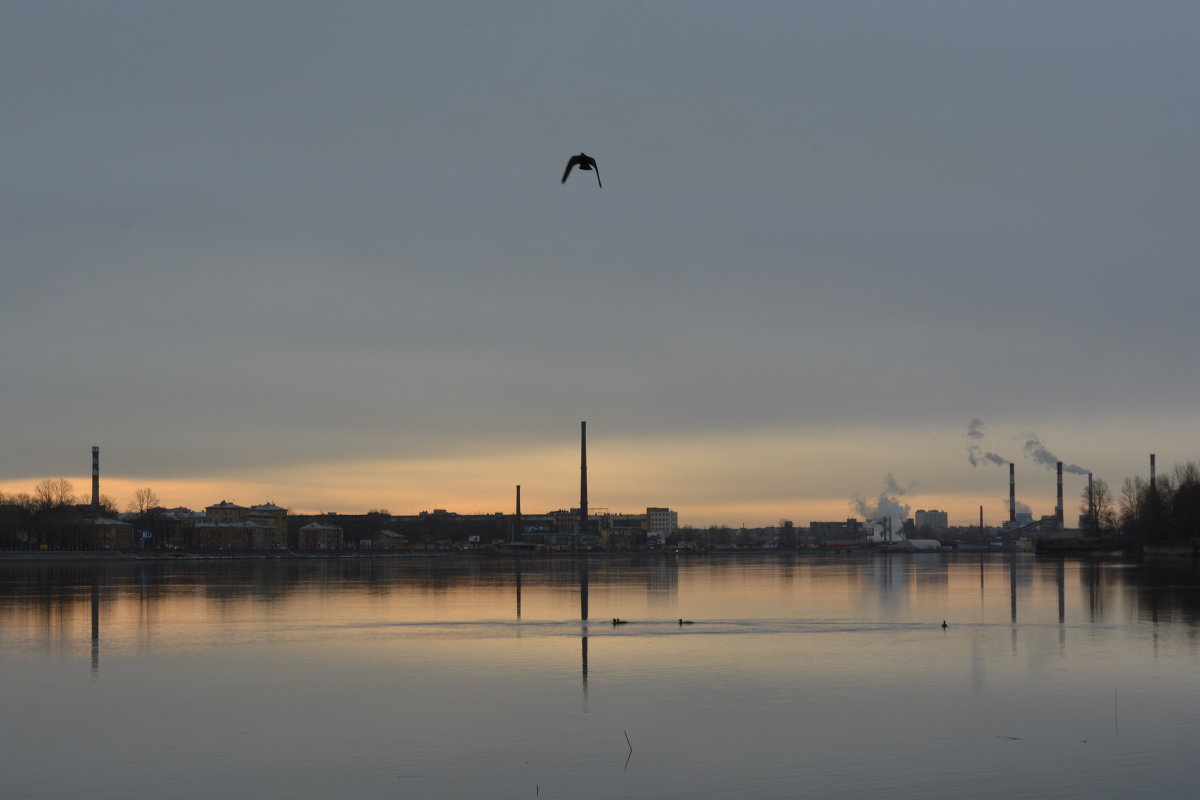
71, 556
1083, 546
1118, 547
1086, 548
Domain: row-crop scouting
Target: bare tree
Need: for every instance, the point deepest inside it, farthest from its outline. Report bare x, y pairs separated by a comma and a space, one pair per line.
143, 500
1096, 503
53, 493
23, 499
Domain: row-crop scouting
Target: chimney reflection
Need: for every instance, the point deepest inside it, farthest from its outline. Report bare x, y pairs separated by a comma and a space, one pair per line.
95, 626
583, 588
1062, 590
517, 578
583, 645
1012, 587
583, 650
1095, 601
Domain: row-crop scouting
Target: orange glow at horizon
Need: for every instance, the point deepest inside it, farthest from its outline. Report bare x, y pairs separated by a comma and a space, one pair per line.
750, 479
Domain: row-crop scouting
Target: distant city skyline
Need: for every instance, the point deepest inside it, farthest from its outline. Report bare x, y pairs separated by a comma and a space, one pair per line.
898, 501
322, 254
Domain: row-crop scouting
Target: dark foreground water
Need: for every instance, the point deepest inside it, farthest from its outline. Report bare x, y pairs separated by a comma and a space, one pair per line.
808, 676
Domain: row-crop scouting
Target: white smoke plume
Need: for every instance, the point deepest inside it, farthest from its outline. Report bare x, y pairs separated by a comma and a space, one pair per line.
975, 452
1035, 450
886, 504
1020, 508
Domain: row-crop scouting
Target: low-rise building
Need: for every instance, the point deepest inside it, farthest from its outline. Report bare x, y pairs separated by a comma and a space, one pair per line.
111, 534
224, 512
320, 536
388, 540
271, 516
834, 531
934, 520
245, 535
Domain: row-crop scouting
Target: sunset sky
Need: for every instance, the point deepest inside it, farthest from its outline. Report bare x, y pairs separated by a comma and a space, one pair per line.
319, 253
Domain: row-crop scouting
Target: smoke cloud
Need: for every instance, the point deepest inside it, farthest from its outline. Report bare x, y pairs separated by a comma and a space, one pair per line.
975, 452
1035, 450
1019, 507
886, 505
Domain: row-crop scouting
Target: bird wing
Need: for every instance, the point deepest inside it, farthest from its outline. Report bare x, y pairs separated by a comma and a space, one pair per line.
572, 161
597, 172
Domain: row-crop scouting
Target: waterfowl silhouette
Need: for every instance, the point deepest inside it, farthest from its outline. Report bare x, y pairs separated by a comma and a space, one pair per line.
583, 161
686, 622
944, 626
619, 621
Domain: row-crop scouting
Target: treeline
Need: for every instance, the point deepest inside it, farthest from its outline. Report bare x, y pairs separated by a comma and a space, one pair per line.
54, 516
1168, 511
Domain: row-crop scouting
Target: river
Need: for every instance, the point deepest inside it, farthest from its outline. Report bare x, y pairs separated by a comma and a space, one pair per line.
470, 677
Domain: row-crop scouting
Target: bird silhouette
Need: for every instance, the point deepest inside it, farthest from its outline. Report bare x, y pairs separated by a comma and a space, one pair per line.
583, 161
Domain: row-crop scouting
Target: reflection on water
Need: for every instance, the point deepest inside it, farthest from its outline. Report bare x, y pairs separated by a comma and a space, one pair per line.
41, 602
821, 675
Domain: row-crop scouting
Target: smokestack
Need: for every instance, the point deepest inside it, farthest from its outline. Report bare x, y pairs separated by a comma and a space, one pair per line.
520, 526
1152, 484
95, 477
1058, 510
981, 518
583, 504
1012, 493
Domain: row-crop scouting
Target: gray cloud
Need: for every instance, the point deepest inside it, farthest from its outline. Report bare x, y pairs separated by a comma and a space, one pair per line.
264, 234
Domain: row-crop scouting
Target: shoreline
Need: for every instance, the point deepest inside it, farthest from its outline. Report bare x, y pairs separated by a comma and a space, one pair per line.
124, 557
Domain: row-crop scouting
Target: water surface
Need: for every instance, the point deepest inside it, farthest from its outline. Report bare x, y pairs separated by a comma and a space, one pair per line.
799, 676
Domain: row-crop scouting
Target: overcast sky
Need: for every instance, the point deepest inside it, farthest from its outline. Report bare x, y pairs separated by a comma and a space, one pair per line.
319, 253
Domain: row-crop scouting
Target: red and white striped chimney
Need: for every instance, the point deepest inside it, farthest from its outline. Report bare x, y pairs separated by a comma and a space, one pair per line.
95, 477
1012, 493
1058, 509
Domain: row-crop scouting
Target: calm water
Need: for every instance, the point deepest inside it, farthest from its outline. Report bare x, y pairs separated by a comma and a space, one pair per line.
809, 676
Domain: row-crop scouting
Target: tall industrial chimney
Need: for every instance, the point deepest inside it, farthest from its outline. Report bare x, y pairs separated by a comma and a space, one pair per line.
1058, 509
1152, 484
520, 526
95, 477
1012, 493
583, 504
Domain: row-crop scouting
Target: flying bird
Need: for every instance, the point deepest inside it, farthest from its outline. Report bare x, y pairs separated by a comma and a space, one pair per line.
583, 161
